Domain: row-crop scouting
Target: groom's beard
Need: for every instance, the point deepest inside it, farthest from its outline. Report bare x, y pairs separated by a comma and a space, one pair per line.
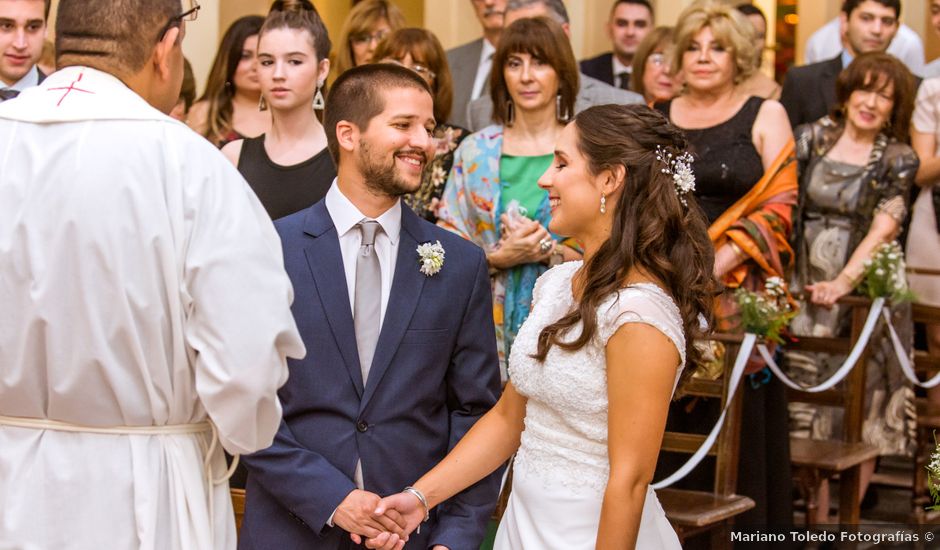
383, 178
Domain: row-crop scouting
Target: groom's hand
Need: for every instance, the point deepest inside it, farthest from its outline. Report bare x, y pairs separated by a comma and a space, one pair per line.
356, 515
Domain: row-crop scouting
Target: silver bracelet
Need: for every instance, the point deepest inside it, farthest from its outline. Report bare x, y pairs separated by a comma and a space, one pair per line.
420, 496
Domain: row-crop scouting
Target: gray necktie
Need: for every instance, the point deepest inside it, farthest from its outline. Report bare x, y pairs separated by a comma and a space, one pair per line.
8, 93
368, 298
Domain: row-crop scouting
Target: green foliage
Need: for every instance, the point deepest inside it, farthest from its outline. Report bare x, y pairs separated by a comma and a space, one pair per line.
768, 313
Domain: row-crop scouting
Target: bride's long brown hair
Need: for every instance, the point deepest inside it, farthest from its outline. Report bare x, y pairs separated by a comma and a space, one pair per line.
652, 229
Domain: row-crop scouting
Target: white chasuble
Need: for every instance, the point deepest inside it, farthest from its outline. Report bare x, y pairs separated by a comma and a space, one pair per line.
141, 285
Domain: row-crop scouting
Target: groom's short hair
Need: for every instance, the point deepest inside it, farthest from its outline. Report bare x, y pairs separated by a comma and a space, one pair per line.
357, 97
115, 36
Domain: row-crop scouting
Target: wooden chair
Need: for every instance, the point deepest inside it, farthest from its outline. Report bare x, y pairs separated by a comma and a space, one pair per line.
238, 504
815, 460
694, 512
928, 422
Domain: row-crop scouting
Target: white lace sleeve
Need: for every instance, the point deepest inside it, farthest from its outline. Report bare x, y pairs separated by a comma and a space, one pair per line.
645, 304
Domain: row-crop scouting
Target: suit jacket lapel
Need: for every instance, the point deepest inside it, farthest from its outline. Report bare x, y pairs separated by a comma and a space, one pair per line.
326, 264
402, 301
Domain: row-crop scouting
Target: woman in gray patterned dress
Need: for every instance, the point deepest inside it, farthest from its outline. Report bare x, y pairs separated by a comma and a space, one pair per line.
855, 174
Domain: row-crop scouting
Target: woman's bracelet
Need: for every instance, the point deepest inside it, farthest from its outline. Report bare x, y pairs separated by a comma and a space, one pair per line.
424, 502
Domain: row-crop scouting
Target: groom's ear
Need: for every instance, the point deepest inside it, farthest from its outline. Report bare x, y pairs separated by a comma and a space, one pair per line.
347, 136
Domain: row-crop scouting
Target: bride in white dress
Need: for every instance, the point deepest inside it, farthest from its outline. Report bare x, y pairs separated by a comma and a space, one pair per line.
595, 365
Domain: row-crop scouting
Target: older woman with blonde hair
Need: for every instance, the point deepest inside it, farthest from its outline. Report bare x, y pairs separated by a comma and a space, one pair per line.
653, 75
421, 51
746, 185
367, 24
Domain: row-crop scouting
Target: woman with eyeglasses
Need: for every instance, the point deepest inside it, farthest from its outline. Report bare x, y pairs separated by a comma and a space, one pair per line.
420, 51
653, 77
228, 110
366, 25
289, 167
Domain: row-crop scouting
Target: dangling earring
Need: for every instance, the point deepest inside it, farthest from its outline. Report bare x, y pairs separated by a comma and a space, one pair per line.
559, 115
510, 113
603, 204
318, 102
262, 104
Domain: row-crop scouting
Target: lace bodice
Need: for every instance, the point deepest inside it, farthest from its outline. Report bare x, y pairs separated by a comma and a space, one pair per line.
565, 436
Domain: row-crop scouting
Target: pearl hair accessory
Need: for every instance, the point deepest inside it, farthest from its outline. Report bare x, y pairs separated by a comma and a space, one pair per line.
680, 168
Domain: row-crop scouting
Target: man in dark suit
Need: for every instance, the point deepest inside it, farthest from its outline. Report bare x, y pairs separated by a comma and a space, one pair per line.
22, 33
470, 63
809, 92
630, 21
397, 316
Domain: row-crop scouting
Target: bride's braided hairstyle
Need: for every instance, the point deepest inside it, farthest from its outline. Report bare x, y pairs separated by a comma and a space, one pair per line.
652, 229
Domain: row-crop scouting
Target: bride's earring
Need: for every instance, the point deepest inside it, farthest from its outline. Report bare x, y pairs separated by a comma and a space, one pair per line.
603, 204
262, 104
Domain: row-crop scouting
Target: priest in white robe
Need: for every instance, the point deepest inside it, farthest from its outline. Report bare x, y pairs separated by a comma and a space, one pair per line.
144, 310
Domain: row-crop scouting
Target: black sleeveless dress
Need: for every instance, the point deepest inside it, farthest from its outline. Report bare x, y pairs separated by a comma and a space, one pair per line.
727, 165
284, 190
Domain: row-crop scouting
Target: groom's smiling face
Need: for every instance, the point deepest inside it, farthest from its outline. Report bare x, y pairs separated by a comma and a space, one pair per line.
396, 146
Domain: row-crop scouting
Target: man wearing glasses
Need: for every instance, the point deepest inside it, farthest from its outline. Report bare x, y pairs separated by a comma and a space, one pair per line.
145, 317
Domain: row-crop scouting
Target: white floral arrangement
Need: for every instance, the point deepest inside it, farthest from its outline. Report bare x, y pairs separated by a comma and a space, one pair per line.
884, 274
430, 258
680, 168
766, 313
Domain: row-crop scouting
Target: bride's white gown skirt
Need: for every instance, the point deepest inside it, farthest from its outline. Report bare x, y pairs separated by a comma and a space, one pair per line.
547, 515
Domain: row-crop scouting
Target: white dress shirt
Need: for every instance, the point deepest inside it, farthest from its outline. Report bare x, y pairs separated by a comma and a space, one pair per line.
483, 69
619, 69
826, 43
29, 80
345, 217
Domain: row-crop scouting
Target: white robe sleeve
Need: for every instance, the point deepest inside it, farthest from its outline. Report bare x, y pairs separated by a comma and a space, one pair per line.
237, 297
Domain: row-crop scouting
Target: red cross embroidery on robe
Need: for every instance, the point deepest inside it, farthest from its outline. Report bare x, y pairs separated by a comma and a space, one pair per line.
70, 88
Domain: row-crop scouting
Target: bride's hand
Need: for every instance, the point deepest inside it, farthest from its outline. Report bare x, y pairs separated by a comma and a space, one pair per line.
407, 505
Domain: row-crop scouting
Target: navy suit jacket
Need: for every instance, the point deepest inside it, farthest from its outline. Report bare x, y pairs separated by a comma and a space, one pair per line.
435, 373
600, 67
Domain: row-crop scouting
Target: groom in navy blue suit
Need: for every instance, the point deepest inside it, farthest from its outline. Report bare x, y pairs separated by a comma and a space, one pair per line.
356, 429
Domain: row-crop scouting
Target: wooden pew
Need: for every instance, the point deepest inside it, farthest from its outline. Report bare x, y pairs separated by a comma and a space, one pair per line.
815, 460
238, 504
928, 422
694, 512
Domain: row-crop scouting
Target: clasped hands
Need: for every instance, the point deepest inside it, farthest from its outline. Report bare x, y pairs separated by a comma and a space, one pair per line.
523, 241
380, 523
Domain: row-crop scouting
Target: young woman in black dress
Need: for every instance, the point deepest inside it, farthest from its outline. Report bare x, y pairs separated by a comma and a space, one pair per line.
289, 168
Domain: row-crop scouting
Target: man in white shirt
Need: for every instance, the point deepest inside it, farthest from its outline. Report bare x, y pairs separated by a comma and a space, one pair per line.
827, 42
629, 23
147, 312
22, 32
400, 314
470, 63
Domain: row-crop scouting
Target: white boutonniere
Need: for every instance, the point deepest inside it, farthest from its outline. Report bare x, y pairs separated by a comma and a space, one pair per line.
430, 258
